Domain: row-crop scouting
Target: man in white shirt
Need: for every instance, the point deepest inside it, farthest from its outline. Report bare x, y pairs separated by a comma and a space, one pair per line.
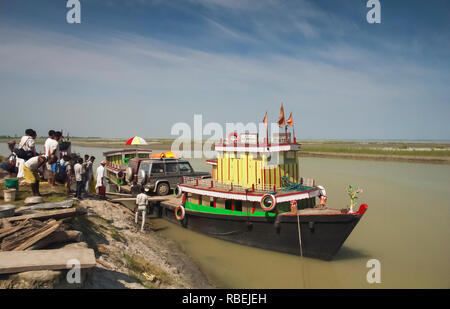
27, 141
78, 170
51, 134
51, 148
100, 176
141, 206
26, 149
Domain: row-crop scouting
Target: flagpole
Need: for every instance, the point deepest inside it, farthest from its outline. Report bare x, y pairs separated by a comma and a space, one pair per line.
293, 133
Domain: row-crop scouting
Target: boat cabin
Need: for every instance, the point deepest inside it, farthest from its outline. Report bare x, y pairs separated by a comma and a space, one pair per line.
121, 157
250, 177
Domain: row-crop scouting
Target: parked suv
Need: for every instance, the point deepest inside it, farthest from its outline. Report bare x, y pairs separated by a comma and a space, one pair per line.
160, 175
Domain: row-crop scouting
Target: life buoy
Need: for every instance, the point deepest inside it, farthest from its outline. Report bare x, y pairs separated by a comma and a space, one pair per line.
178, 192
234, 137
322, 191
268, 202
180, 212
322, 196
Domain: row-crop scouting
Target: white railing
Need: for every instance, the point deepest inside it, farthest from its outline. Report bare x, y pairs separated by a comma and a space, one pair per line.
210, 183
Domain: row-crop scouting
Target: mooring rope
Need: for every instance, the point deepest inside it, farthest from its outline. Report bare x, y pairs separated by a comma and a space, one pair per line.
299, 234
301, 249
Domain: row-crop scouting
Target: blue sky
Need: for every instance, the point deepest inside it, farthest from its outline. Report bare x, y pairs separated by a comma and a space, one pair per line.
137, 67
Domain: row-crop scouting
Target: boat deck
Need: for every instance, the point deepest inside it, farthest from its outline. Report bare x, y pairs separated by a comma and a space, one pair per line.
210, 184
173, 201
319, 211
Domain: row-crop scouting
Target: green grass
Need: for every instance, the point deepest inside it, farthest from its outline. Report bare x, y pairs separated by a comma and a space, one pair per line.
137, 266
377, 148
322, 146
49, 194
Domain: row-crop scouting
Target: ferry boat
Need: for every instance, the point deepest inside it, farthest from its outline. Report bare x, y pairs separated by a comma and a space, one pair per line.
117, 162
257, 198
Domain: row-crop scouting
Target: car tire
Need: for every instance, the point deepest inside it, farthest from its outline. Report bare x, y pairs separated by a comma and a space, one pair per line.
163, 188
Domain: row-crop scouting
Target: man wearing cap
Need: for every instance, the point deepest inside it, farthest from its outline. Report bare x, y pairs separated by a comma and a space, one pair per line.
141, 206
100, 176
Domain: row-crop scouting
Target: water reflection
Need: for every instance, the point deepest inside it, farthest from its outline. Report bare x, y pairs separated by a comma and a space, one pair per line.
405, 227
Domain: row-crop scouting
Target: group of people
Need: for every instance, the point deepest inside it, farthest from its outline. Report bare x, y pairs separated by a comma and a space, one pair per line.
25, 161
84, 176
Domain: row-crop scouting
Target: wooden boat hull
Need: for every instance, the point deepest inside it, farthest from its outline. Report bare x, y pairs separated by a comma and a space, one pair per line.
321, 235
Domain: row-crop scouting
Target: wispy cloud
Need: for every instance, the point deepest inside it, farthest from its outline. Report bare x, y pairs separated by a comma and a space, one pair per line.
154, 77
293, 53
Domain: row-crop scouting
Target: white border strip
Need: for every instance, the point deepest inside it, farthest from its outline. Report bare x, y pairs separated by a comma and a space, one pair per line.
251, 198
258, 149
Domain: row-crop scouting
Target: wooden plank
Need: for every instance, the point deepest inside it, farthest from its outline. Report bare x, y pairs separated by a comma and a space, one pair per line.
58, 205
118, 194
20, 261
57, 237
51, 227
18, 238
53, 214
150, 198
11, 230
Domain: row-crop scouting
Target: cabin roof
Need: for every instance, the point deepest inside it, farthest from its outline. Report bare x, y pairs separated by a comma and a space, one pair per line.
126, 151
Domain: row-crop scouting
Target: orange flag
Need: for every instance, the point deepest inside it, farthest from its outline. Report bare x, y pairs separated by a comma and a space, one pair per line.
290, 121
265, 119
281, 121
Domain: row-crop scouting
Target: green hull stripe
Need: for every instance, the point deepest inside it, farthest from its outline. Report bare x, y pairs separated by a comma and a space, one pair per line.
212, 210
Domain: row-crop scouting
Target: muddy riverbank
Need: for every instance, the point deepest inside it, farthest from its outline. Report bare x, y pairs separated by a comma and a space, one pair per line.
149, 259
126, 257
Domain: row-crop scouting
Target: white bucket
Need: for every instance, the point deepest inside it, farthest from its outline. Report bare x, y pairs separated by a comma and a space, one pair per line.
9, 195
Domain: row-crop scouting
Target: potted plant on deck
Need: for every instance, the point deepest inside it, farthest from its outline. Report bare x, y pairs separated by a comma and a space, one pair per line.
353, 192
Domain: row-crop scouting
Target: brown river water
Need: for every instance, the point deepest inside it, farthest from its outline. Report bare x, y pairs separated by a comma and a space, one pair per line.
406, 228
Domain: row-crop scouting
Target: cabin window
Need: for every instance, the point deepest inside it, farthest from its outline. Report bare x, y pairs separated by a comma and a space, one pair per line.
199, 200
306, 203
238, 205
211, 201
157, 168
289, 157
228, 204
284, 207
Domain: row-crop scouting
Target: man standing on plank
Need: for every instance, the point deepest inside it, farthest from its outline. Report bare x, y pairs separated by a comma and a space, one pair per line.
141, 207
